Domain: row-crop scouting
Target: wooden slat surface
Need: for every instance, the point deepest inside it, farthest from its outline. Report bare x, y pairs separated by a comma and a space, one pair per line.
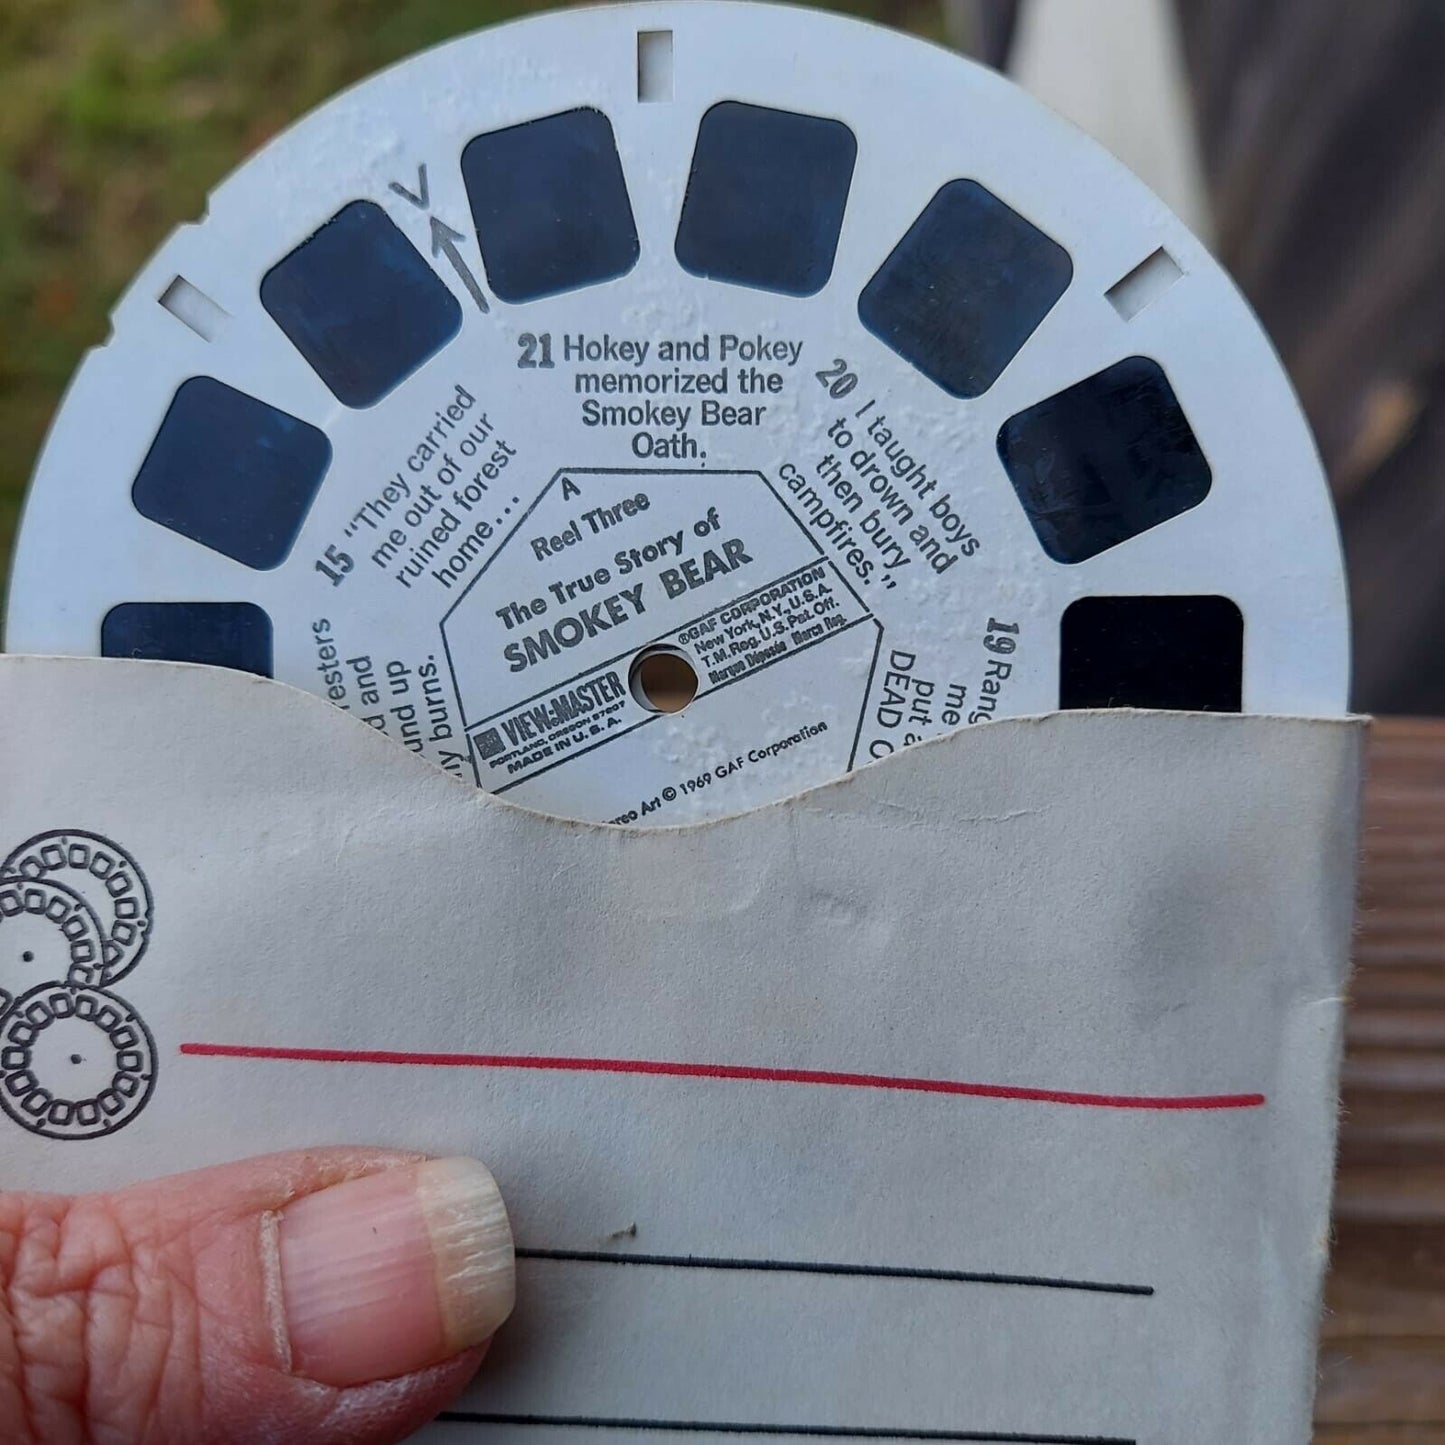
1382, 1352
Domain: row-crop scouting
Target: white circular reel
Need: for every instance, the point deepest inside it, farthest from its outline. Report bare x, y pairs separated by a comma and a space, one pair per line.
829, 367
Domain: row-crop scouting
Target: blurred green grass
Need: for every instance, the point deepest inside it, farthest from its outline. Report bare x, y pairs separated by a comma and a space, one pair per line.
117, 118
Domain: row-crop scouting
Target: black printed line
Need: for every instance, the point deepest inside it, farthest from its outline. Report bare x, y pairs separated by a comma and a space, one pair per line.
722, 1427
805, 1266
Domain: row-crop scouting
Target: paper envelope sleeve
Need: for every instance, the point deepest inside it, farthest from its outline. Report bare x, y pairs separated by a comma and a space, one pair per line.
987, 1094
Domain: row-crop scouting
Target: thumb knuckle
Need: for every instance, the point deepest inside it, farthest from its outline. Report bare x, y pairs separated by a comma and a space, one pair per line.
98, 1321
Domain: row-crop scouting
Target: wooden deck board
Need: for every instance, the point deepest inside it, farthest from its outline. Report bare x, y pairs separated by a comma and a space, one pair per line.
1382, 1353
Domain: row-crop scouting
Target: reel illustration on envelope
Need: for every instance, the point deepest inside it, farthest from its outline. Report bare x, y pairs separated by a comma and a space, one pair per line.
727, 400
76, 1060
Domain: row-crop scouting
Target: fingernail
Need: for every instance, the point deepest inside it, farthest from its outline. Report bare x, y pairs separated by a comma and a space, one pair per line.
387, 1274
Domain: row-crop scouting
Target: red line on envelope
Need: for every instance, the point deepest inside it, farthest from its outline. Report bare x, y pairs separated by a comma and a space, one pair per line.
741, 1072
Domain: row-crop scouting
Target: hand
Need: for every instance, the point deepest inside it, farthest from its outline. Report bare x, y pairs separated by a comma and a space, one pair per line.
335, 1295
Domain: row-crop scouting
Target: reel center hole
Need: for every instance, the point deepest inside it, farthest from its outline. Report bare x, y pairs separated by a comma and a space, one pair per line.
73, 1059
662, 679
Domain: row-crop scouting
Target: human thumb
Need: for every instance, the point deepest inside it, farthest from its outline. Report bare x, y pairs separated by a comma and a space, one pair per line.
327, 1295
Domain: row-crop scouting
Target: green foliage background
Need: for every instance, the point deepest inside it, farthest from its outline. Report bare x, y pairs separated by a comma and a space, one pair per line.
116, 119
